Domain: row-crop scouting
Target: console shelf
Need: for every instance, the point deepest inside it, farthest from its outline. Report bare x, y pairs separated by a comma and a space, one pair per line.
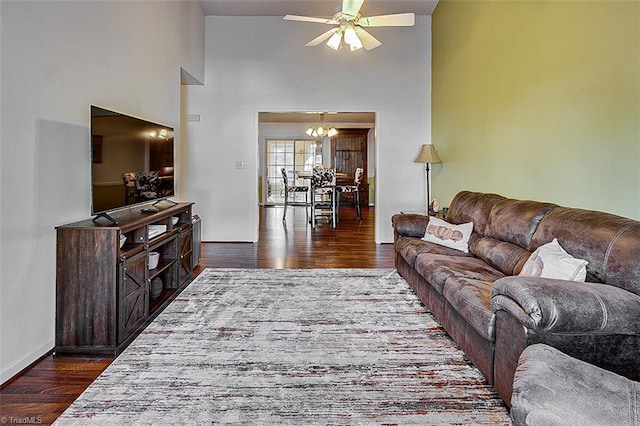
106, 294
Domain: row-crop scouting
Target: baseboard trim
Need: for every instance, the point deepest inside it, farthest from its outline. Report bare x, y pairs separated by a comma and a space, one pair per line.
15, 370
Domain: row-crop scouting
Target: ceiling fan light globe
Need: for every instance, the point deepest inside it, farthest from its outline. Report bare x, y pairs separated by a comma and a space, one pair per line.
356, 45
335, 40
350, 35
309, 131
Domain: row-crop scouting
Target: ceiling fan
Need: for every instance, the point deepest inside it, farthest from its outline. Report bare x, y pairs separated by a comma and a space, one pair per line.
351, 26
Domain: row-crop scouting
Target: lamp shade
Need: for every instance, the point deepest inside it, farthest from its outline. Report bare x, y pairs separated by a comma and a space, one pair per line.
427, 155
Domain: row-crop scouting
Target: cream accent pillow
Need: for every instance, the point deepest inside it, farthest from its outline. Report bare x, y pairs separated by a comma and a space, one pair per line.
448, 235
552, 261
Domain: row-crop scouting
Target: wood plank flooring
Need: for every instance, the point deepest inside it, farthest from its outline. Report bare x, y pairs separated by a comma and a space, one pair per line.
40, 394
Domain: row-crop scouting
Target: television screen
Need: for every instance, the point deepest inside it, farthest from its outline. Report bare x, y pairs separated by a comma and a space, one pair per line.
132, 161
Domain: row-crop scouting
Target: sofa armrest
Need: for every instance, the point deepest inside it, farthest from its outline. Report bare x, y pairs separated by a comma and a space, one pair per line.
409, 225
558, 306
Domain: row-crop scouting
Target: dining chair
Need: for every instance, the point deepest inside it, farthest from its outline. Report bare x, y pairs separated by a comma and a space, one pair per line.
324, 203
293, 189
354, 190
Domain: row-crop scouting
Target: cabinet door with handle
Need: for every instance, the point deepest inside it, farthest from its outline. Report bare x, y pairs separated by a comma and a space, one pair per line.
133, 288
186, 255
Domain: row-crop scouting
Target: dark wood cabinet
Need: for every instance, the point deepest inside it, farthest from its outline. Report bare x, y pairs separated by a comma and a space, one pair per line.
348, 152
106, 294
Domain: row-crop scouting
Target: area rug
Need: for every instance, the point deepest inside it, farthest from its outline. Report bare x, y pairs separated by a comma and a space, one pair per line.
291, 346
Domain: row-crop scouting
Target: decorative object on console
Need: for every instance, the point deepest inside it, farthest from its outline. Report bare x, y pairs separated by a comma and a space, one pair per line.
154, 258
155, 230
156, 288
427, 156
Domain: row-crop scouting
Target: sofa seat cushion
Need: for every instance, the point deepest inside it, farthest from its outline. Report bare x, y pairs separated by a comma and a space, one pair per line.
471, 298
409, 248
437, 268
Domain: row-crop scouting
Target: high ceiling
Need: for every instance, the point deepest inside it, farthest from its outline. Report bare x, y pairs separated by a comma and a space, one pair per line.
319, 8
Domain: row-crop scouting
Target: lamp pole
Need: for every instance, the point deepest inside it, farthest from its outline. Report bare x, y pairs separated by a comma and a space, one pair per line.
427, 156
428, 185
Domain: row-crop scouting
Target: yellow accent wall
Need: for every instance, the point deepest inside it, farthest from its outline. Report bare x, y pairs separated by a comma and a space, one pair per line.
538, 100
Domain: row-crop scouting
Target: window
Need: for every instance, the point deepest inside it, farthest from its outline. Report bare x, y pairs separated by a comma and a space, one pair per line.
295, 156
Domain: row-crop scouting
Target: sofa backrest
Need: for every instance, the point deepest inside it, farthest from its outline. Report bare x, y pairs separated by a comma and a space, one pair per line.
508, 233
515, 221
610, 243
502, 227
474, 207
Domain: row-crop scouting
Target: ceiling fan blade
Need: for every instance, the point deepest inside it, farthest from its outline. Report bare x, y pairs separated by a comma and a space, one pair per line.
368, 41
309, 19
351, 7
396, 20
316, 41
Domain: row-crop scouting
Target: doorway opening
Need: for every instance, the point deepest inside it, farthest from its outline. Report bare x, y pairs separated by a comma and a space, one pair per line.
284, 142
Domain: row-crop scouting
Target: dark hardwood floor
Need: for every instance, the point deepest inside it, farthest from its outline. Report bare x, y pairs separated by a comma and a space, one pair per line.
40, 394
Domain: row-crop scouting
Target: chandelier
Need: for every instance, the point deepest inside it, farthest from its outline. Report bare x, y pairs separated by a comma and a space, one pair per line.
321, 131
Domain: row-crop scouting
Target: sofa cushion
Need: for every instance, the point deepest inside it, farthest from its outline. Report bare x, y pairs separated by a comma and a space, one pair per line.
437, 268
471, 298
449, 235
552, 261
410, 247
473, 207
515, 221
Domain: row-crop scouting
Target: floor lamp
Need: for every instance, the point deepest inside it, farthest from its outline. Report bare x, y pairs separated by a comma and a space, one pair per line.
427, 156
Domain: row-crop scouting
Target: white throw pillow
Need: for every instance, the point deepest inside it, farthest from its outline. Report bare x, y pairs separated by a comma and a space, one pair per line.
448, 235
552, 261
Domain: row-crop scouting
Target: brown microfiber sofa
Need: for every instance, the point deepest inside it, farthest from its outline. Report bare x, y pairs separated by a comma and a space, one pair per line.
493, 314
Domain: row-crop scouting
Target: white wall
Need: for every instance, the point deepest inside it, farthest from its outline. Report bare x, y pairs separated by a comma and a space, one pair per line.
257, 64
58, 58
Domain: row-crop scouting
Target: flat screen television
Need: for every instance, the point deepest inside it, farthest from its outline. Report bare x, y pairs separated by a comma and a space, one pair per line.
131, 161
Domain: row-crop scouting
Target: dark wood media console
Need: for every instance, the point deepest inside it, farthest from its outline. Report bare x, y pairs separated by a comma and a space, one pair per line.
106, 294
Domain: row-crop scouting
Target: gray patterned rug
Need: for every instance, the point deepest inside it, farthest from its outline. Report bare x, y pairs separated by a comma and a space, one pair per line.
291, 346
